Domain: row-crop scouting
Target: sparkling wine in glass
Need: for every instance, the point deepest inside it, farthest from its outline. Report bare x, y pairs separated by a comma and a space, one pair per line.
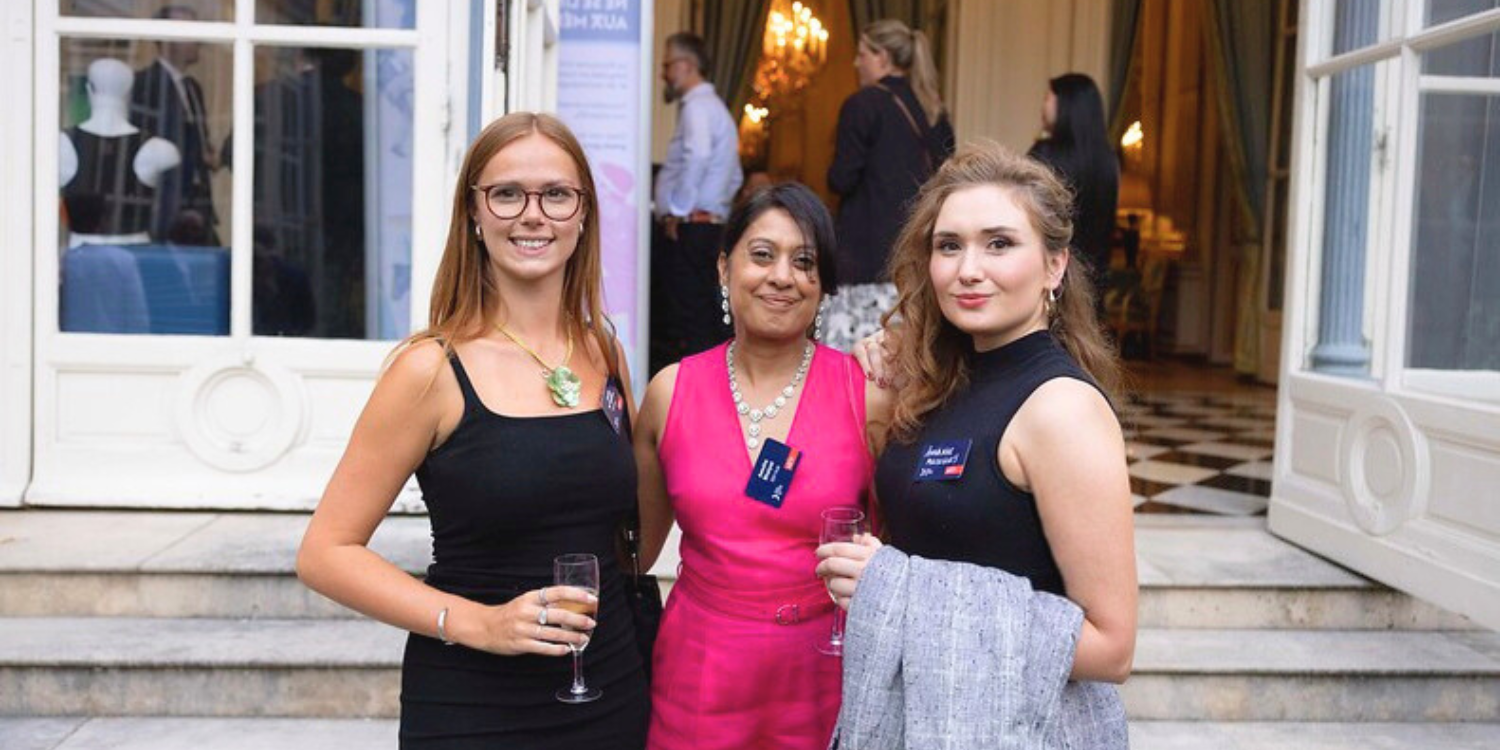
839, 525
579, 571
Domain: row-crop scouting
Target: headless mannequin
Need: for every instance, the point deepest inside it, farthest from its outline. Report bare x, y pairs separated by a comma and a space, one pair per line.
109, 83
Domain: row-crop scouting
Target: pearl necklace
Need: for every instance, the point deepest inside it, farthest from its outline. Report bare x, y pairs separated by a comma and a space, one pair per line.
769, 412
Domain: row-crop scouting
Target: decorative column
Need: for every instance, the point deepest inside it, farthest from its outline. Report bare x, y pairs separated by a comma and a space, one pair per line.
1342, 348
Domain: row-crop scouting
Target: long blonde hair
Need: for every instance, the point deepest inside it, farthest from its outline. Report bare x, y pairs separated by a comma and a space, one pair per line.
911, 52
931, 354
464, 292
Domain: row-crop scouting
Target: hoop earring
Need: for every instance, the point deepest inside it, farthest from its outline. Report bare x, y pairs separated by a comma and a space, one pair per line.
724, 301
478, 233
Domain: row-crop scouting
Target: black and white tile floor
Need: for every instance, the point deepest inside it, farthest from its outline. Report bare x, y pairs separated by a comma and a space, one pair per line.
1201, 452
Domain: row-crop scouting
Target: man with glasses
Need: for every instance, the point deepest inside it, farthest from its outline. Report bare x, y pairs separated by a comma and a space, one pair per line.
694, 190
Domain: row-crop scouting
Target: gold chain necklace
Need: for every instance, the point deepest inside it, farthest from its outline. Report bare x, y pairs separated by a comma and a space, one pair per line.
562, 382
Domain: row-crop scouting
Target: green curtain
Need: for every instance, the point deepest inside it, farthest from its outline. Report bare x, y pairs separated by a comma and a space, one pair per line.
733, 30
1242, 38
1125, 17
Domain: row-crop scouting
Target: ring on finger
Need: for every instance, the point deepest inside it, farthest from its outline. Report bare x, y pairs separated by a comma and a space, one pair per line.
541, 616
541, 596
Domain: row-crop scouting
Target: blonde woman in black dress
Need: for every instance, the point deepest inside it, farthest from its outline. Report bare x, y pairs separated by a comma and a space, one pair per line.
516, 469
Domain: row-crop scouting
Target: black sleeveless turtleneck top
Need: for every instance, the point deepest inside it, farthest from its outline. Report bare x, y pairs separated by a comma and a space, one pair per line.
981, 517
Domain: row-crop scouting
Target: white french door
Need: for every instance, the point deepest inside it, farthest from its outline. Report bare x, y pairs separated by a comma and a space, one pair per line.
1388, 444
207, 341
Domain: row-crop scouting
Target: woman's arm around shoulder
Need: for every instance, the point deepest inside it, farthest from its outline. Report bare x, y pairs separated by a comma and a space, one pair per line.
1065, 446
655, 506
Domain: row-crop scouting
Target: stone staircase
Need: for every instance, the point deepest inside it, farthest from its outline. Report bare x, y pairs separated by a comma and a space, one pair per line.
177, 630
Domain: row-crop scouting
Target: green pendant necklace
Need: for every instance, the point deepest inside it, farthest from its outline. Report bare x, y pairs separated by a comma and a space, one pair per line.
562, 382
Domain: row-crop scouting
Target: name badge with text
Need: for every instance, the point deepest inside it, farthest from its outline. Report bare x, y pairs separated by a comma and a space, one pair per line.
943, 461
773, 473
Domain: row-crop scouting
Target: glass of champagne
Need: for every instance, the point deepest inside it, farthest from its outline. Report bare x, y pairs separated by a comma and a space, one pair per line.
578, 571
839, 525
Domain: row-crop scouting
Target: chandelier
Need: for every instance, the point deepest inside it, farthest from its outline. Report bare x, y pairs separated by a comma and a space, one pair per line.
793, 51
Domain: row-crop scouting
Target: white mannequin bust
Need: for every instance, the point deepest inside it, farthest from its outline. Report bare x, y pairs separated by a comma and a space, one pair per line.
109, 83
109, 104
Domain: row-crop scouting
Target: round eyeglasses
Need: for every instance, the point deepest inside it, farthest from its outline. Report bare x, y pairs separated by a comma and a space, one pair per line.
507, 201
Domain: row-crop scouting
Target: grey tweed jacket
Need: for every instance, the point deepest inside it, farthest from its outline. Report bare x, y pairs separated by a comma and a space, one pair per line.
952, 656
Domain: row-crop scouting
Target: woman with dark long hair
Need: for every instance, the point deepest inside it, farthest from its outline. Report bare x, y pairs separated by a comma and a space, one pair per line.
892, 133
516, 470
1077, 147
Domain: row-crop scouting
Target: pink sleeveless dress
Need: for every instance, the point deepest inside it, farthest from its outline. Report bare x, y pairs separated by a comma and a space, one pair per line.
736, 663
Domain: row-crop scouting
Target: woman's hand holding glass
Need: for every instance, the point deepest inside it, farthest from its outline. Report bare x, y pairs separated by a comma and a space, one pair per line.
519, 627
842, 563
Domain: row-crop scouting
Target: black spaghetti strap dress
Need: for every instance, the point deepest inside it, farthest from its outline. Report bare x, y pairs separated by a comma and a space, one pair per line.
506, 495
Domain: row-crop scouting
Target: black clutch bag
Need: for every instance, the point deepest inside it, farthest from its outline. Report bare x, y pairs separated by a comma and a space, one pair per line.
643, 595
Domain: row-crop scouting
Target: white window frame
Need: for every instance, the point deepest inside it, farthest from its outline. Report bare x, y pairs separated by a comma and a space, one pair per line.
1403, 39
243, 34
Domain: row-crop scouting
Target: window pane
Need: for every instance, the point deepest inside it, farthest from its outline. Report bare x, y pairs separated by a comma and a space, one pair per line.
1455, 270
1357, 24
1443, 11
1477, 57
332, 199
145, 207
190, 10
370, 14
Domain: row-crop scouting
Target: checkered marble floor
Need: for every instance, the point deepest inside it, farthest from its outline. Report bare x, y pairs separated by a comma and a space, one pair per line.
1201, 452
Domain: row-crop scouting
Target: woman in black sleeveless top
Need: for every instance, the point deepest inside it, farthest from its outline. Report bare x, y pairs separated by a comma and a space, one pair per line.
1003, 449
516, 469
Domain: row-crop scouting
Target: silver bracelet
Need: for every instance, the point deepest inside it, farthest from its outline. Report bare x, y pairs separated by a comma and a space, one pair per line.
443, 627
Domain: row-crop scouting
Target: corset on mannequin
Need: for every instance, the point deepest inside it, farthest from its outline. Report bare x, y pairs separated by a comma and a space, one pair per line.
109, 168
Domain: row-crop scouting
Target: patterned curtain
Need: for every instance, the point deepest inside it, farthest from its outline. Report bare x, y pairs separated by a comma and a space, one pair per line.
1122, 36
733, 30
1242, 39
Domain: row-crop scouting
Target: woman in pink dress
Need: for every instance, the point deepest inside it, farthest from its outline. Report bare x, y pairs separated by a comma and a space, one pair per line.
737, 662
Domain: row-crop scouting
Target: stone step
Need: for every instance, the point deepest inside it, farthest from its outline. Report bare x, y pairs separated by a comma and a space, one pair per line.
1196, 735
195, 733
1195, 572
176, 733
1315, 675
350, 668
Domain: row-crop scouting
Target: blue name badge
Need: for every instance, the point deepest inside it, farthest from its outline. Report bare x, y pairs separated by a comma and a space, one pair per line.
613, 404
773, 473
943, 462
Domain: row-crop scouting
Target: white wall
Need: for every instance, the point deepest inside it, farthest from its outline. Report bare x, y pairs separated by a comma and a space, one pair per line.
15, 253
1001, 55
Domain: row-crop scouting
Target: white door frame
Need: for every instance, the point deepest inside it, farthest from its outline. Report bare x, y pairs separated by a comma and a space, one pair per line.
1392, 475
159, 447
15, 256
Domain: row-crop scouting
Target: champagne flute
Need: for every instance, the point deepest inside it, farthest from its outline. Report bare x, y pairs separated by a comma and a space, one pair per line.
579, 571
839, 525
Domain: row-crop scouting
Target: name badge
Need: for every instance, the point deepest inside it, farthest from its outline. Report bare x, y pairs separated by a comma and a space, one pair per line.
773, 473
613, 404
943, 462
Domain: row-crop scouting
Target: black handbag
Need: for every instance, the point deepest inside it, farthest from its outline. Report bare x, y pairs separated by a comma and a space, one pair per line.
643, 595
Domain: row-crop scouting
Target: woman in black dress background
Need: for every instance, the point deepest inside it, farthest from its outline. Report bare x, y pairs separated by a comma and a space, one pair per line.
515, 469
1076, 146
892, 133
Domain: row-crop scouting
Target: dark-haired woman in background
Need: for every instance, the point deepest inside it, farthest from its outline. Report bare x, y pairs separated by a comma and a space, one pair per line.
1077, 147
892, 134
736, 662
